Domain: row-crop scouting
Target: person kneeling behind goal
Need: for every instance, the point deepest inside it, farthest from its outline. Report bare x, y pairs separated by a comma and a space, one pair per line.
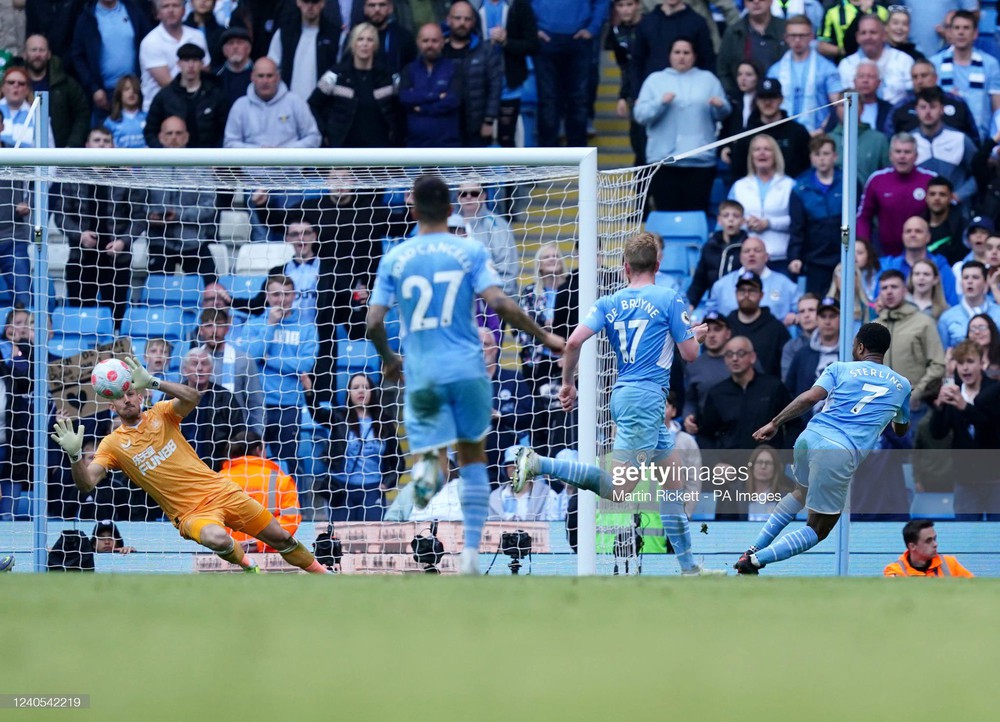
149, 448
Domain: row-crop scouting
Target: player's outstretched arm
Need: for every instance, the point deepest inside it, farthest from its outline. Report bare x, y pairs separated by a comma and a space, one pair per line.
186, 398
70, 440
392, 365
802, 403
570, 360
509, 311
690, 348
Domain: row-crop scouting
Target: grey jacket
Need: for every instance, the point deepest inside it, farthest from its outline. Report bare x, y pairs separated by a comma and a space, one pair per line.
194, 213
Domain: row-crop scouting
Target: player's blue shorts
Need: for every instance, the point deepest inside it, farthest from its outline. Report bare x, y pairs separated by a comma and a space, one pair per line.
440, 415
639, 415
825, 468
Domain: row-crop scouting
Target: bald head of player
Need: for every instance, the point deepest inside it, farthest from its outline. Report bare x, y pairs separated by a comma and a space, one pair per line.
642, 252
431, 201
872, 342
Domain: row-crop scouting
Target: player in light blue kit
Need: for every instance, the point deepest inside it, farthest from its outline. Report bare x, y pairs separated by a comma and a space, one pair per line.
862, 397
435, 278
643, 321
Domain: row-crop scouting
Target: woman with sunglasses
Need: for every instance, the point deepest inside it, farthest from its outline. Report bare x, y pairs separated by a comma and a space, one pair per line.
898, 30
492, 231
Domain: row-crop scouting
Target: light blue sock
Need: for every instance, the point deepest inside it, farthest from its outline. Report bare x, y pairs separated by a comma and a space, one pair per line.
788, 545
782, 516
583, 476
675, 526
475, 496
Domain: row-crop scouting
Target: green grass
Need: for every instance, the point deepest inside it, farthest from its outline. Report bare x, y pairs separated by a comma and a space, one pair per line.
287, 648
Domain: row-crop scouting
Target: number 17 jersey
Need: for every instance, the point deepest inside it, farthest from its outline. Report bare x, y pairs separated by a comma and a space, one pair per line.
642, 325
435, 279
863, 398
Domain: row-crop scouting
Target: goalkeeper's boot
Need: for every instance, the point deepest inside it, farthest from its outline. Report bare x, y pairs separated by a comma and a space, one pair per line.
427, 479
468, 563
6, 562
745, 566
525, 468
252, 570
699, 571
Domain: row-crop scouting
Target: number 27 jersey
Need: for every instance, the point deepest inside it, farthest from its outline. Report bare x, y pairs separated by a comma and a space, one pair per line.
863, 398
642, 325
435, 278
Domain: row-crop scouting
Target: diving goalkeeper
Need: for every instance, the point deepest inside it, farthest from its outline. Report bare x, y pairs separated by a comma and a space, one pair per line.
149, 448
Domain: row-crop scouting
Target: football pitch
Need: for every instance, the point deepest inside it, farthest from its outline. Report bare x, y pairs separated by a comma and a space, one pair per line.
289, 648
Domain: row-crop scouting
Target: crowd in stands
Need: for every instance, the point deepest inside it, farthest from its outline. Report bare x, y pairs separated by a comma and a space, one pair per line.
275, 365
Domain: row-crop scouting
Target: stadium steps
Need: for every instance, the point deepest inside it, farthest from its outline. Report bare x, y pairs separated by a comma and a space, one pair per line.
614, 148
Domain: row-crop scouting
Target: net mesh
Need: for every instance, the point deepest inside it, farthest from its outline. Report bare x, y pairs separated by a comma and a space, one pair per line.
171, 264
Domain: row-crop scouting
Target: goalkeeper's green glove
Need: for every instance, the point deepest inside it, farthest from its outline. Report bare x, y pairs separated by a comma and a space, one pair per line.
141, 378
71, 441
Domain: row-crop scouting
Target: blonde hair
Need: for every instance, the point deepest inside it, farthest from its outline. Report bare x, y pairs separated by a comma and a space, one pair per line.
539, 276
862, 304
779, 157
938, 303
356, 33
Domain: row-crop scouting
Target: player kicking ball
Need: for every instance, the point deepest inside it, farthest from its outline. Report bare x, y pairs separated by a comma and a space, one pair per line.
149, 448
642, 322
862, 397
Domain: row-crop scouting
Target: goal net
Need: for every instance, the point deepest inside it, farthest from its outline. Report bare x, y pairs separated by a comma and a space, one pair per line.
247, 276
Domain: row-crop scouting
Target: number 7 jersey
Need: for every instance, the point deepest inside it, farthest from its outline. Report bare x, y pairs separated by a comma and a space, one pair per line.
642, 325
863, 398
435, 279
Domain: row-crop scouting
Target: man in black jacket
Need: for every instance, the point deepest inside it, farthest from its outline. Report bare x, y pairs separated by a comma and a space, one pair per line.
516, 34
482, 74
193, 95
310, 24
792, 137
69, 108
741, 404
397, 46
767, 334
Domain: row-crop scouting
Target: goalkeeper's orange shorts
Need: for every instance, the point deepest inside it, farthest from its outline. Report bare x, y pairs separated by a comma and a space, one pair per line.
233, 508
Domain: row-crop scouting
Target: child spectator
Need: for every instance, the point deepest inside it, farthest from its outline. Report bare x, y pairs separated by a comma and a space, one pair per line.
127, 118
720, 254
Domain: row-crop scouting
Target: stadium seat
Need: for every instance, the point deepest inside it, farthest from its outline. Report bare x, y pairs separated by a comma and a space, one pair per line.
259, 258
58, 257
221, 256
927, 505
234, 227
679, 257
89, 322
168, 289
689, 226
357, 356
242, 287
140, 255
155, 322
67, 345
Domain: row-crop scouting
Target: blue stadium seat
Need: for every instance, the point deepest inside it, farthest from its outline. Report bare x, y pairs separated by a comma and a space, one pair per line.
155, 322
928, 505
679, 257
689, 226
172, 290
68, 345
94, 322
242, 287
357, 356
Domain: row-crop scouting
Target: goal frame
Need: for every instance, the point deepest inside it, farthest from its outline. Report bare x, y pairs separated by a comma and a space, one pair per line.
584, 159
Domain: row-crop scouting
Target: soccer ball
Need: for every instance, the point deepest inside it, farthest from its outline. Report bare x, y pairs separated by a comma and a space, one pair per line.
111, 379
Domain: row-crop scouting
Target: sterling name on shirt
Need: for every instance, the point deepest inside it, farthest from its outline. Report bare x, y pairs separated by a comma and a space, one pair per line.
877, 373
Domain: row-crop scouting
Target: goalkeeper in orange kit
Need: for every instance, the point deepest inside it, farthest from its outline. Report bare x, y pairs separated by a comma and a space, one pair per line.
149, 448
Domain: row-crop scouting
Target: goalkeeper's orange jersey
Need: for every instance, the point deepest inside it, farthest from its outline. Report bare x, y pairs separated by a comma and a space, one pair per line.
158, 458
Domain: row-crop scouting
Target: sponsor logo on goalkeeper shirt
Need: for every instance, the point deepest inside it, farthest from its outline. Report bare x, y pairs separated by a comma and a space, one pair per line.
149, 459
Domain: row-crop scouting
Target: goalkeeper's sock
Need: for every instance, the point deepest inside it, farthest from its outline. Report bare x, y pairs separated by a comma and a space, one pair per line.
782, 516
235, 555
583, 476
475, 495
787, 546
299, 556
675, 526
